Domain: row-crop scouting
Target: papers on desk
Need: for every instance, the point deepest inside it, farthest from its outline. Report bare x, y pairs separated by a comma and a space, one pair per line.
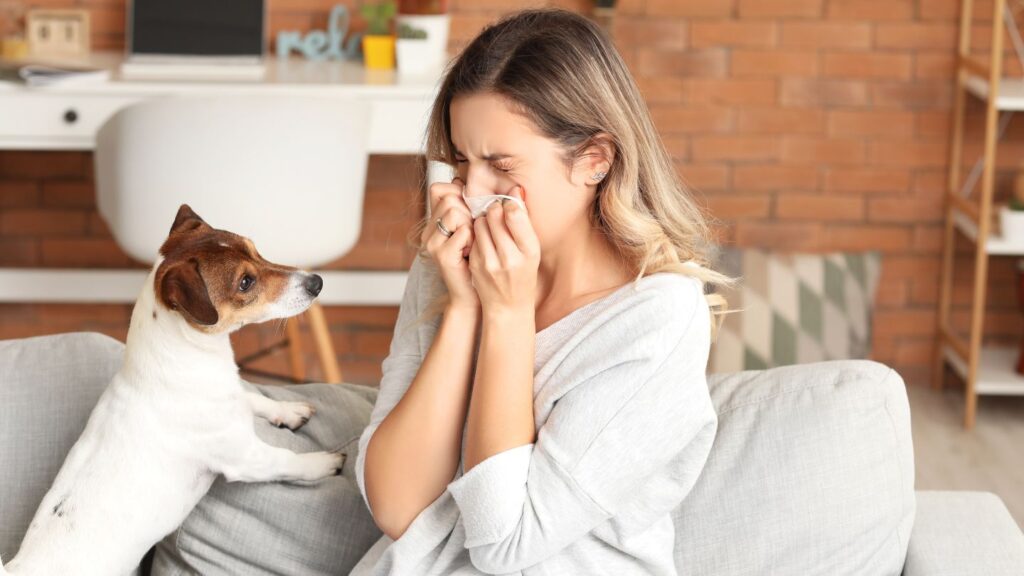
48, 75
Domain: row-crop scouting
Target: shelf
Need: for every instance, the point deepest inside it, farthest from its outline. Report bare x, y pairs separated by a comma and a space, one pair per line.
996, 245
1011, 91
996, 375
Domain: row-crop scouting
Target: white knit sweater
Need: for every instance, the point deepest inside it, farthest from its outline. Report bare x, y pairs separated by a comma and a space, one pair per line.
624, 426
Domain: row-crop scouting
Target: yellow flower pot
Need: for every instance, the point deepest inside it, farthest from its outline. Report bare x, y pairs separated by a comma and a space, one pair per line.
379, 51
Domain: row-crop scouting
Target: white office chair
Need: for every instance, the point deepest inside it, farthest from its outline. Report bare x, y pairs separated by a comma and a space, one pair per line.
288, 171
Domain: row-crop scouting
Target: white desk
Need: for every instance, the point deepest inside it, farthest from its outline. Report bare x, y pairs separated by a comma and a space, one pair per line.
66, 117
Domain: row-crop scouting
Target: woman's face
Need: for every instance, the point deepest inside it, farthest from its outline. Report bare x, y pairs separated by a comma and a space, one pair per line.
496, 149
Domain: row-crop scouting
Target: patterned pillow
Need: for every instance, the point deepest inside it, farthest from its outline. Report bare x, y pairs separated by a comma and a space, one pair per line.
794, 308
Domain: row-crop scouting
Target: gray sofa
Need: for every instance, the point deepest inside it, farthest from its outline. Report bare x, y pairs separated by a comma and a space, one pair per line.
812, 472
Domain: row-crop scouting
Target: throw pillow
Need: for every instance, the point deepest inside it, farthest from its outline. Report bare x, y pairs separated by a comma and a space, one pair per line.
273, 528
794, 308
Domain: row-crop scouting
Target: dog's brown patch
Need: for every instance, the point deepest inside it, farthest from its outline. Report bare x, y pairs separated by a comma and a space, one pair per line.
201, 275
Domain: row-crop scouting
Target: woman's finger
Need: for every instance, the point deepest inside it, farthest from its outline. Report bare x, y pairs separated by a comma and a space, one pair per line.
483, 245
504, 243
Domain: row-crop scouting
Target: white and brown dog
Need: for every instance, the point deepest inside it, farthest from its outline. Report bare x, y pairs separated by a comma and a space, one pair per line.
175, 415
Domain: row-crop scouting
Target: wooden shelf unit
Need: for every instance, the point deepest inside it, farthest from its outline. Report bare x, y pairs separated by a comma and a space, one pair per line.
985, 369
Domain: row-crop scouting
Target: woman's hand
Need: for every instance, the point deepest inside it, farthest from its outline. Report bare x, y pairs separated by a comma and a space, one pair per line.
504, 258
451, 253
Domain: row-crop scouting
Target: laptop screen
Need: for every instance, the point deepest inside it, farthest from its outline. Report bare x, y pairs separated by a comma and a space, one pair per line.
197, 27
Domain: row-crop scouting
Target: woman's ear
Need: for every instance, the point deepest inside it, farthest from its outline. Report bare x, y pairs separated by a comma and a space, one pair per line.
595, 161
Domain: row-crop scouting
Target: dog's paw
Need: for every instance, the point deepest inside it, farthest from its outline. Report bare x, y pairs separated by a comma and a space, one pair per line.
291, 415
320, 465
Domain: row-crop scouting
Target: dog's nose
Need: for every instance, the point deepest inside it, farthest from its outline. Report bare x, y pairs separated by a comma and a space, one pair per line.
314, 283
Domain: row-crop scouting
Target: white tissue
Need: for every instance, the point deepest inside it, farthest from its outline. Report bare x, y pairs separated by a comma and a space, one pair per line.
478, 204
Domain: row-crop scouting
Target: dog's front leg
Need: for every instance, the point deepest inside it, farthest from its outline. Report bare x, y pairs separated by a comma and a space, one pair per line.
291, 415
261, 462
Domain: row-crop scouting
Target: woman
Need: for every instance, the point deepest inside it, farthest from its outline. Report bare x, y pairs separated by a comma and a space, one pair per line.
557, 411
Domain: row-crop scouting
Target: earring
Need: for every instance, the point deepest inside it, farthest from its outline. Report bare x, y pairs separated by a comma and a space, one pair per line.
598, 176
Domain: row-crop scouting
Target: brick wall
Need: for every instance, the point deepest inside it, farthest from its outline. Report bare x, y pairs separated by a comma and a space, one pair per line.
809, 125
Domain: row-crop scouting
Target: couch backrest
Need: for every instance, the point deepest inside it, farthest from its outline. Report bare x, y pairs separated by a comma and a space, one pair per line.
812, 472
48, 387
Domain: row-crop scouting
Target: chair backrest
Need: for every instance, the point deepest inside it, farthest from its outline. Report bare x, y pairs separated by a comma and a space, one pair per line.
286, 170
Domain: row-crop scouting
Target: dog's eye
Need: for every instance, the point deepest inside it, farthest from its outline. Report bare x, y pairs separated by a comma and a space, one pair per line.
246, 283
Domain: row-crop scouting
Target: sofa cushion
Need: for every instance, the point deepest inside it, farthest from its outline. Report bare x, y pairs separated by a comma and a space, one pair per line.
48, 387
812, 472
794, 308
278, 528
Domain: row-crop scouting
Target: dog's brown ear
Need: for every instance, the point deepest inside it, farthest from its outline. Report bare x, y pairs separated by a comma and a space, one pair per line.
181, 287
186, 219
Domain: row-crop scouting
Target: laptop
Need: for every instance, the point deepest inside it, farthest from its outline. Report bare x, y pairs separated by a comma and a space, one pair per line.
195, 39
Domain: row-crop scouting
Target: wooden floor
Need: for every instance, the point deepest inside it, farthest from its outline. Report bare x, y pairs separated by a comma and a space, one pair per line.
990, 457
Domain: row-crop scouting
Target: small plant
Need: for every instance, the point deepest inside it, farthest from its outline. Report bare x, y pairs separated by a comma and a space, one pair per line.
1016, 204
377, 16
406, 31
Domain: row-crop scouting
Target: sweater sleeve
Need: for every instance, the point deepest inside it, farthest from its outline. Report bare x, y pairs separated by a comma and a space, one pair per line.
633, 433
404, 356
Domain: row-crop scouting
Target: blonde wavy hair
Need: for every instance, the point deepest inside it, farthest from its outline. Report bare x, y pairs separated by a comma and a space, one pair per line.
562, 72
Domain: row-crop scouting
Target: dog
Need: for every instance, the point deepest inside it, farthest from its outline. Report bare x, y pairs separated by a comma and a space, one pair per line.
175, 415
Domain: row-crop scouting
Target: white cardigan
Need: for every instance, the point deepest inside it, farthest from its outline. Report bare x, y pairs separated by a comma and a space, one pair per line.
625, 424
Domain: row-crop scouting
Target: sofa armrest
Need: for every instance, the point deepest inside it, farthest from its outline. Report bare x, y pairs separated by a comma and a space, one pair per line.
962, 534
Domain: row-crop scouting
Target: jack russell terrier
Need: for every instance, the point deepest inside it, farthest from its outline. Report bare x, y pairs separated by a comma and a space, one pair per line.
175, 415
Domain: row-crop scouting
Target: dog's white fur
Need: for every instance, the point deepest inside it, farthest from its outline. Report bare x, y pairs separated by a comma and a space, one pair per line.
174, 417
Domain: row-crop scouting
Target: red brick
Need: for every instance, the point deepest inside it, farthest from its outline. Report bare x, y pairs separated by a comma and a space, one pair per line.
916, 36
704, 177
733, 33
822, 35
769, 177
732, 207
42, 222
780, 8
910, 210
929, 123
871, 65
69, 194
940, 10
805, 92
905, 322
928, 238
678, 147
869, 180
19, 252
781, 121
660, 90
710, 148
650, 33
919, 95
819, 208
372, 343
910, 153
696, 120
870, 123
889, 239
873, 10
779, 235
19, 194
38, 165
934, 65
705, 63
767, 64
731, 91
691, 8
799, 150
82, 253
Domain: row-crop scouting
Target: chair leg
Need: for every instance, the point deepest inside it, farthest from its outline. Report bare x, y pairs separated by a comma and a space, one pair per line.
295, 360
324, 345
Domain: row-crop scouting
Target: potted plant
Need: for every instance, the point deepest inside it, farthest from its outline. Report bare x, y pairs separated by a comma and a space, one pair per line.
410, 49
430, 16
1011, 216
378, 42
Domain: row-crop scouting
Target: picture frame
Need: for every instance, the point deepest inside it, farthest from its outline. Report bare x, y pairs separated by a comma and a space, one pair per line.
57, 32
